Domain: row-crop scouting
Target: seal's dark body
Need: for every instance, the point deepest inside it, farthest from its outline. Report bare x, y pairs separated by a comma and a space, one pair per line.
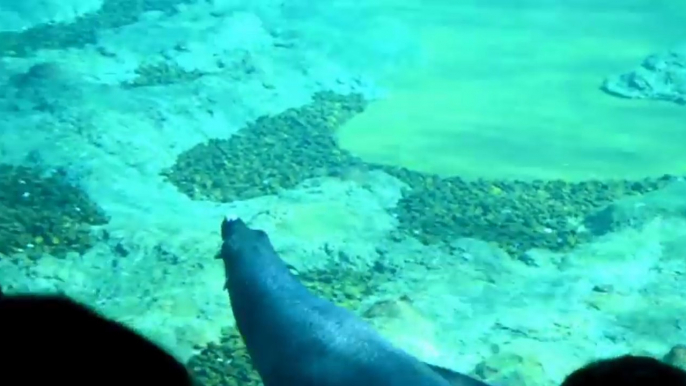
298, 339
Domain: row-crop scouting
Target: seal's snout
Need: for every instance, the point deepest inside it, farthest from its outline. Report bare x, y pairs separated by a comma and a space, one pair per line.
232, 225
238, 239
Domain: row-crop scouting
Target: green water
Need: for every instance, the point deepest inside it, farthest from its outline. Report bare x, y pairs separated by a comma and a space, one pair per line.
510, 89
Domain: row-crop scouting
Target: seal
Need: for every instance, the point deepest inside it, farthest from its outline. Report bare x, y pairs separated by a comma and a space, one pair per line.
296, 338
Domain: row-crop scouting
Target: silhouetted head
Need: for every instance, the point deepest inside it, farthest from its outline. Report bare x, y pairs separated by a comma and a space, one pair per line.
47, 339
238, 238
627, 370
233, 228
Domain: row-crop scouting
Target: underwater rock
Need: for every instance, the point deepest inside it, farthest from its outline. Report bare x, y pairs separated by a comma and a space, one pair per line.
512, 370
47, 87
21, 15
517, 215
226, 363
387, 308
21, 38
272, 154
637, 210
161, 74
43, 212
659, 77
677, 356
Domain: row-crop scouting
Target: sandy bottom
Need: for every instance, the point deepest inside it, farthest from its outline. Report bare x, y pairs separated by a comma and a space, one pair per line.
510, 89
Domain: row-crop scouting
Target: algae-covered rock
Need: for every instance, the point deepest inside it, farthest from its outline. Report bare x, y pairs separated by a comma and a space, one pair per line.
271, 154
517, 215
279, 152
25, 14
43, 212
160, 74
226, 363
635, 211
82, 30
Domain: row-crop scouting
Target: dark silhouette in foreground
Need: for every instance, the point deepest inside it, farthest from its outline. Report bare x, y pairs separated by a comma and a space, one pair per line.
627, 371
52, 340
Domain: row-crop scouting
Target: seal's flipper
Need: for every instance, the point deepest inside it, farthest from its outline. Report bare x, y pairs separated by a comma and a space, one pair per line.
454, 378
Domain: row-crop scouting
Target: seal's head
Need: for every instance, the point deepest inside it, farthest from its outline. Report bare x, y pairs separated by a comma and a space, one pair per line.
241, 246
238, 238
233, 229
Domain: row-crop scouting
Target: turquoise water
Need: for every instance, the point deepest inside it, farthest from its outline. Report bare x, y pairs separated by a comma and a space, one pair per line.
496, 186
